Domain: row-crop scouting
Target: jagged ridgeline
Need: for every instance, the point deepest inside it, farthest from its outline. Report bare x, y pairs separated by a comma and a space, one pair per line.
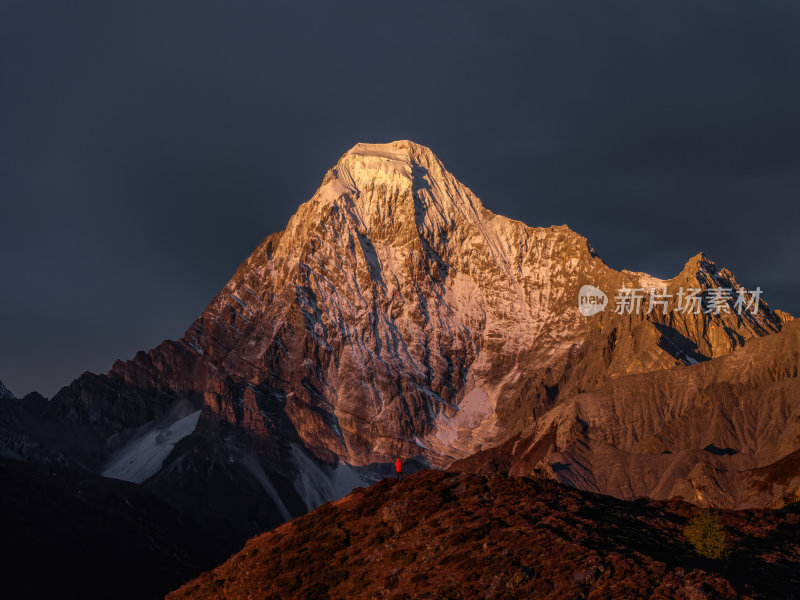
397, 316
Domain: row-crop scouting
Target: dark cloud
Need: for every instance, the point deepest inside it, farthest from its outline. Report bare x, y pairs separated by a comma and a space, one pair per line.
147, 147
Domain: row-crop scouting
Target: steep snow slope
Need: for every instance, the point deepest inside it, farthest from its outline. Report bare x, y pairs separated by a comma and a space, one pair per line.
144, 455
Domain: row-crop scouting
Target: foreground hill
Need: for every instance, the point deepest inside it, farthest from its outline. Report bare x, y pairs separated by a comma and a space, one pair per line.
458, 535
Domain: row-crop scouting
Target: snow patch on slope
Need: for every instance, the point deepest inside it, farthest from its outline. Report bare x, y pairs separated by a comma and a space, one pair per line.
317, 485
142, 457
475, 407
251, 464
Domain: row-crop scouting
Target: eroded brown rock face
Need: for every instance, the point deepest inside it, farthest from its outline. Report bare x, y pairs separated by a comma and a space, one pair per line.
724, 433
394, 316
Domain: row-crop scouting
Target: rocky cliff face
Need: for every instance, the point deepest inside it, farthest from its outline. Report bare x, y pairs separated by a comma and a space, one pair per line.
723, 433
394, 315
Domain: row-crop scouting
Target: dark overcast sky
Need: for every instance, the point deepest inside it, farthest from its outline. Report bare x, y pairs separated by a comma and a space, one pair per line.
147, 147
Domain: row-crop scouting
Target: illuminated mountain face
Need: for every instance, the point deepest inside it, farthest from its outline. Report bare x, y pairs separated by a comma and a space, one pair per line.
394, 316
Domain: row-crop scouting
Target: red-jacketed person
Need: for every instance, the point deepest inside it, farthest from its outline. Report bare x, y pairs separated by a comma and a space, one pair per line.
398, 466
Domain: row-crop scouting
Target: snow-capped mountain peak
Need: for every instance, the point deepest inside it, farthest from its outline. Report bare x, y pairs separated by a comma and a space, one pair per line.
394, 316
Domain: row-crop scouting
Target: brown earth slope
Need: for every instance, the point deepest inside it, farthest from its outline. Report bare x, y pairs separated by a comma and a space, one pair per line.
725, 432
458, 535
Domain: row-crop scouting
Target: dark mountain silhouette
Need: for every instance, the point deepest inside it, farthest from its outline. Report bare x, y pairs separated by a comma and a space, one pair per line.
71, 534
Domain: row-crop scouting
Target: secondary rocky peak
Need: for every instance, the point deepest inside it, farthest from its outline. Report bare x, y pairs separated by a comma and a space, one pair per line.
700, 262
702, 272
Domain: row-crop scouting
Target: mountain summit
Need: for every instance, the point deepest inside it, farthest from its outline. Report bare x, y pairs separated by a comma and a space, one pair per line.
410, 319
394, 316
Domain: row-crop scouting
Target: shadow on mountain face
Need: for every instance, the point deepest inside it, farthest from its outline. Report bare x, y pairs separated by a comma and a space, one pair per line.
678, 346
720, 451
71, 534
